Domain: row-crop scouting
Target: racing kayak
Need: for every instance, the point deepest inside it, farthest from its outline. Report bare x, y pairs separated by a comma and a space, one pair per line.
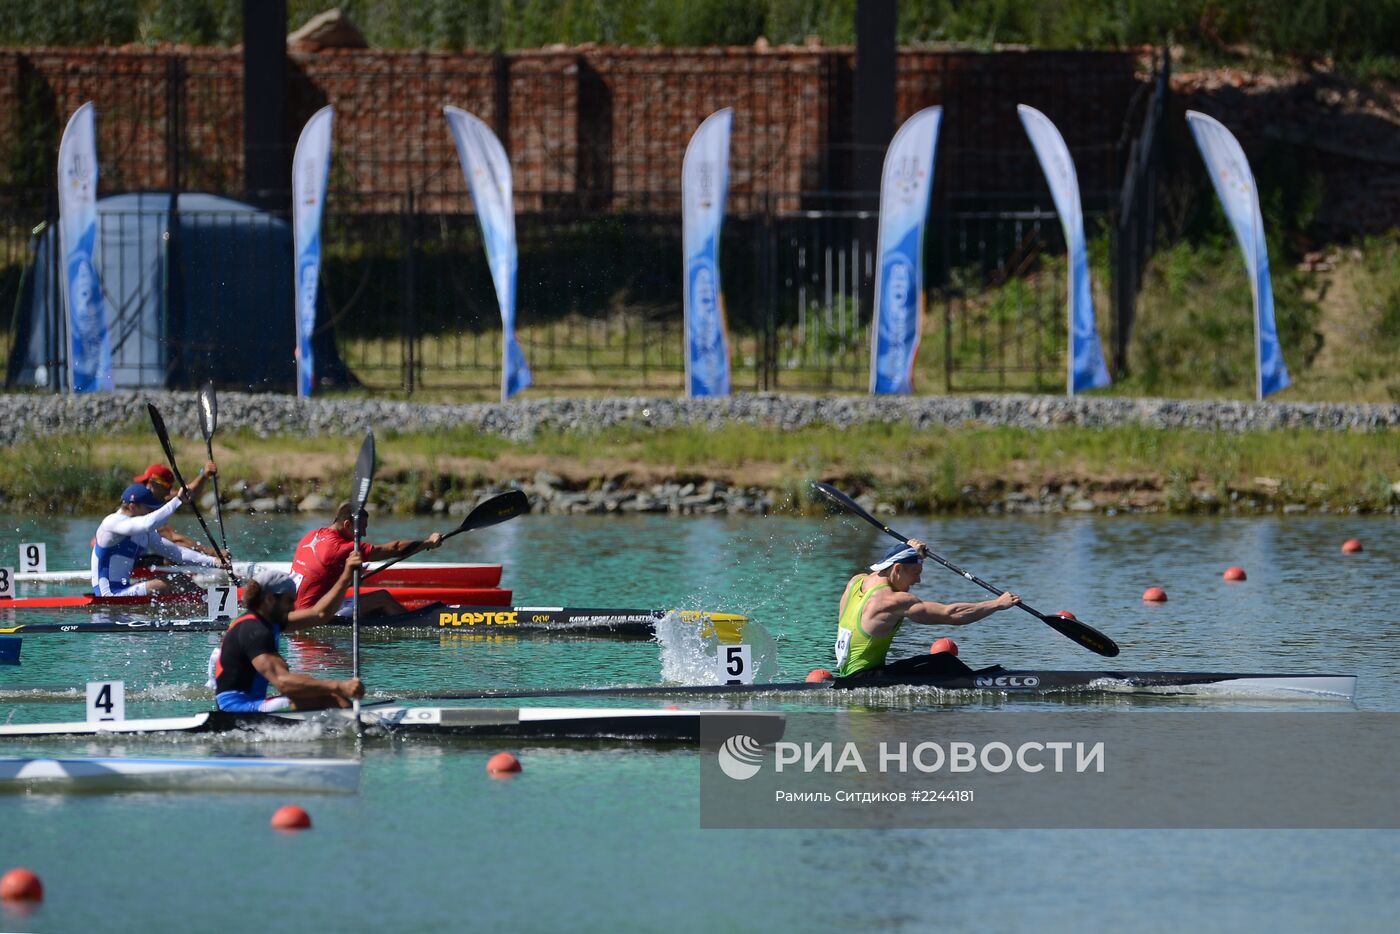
402, 574
412, 598
1001, 681
122, 773
566, 723
450, 618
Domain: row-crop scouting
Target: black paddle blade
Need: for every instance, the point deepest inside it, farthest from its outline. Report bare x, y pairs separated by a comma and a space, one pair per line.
1085, 635
164, 437
496, 510
837, 498
364, 475
208, 412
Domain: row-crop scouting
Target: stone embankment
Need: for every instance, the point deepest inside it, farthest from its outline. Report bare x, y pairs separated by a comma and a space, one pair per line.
689, 492
27, 416
548, 493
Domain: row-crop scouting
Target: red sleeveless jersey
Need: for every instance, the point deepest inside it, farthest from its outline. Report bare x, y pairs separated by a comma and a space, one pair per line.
319, 561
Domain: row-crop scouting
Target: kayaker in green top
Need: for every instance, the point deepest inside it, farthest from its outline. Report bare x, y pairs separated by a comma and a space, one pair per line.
876, 604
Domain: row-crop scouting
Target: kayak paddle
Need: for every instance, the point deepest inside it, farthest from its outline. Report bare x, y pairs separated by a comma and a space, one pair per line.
164, 437
208, 422
492, 511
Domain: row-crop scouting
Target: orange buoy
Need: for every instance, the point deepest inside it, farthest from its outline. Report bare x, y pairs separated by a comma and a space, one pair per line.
291, 817
1067, 614
502, 764
1154, 595
819, 674
21, 885
1351, 546
943, 645
1235, 574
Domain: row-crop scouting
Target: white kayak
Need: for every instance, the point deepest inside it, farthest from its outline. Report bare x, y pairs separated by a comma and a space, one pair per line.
404, 573
120, 773
629, 724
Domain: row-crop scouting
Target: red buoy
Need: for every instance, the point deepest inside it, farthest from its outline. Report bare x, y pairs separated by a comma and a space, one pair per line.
819, 674
1154, 595
291, 817
1067, 614
502, 764
21, 885
1351, 546
1235, 574
944, 645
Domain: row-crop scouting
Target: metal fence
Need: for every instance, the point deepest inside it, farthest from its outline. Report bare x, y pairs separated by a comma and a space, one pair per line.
406, 294
408, 299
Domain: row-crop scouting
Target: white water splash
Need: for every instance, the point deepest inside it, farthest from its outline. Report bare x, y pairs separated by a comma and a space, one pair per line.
687, 657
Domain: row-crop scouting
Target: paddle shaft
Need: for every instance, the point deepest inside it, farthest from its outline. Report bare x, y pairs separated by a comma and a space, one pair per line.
218, 500
164, 437
359, 495
414, 548
356, 578
209, 425
1074, 630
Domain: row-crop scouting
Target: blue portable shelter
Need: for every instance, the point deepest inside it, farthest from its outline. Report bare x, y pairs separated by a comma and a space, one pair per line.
203, 293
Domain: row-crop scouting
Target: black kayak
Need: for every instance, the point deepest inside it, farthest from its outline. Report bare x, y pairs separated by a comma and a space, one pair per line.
999, 680
439, 618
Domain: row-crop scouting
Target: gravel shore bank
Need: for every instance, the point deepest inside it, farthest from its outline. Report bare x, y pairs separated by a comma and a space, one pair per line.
28, 416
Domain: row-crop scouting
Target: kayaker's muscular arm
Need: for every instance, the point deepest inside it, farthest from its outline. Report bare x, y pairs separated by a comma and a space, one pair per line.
325, 608
184, 541
404, 547
210, 469
179, 538
274, 668
929, 613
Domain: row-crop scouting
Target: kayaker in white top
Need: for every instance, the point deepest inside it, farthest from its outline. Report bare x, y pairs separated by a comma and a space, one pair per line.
132, 531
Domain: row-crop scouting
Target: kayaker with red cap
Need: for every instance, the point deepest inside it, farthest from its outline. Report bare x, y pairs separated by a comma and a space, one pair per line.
130, 532
876, 604
160, 480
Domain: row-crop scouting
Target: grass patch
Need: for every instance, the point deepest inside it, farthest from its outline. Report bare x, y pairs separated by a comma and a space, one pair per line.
937, 469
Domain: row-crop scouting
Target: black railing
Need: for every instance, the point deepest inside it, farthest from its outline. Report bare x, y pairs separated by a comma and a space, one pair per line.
406, 297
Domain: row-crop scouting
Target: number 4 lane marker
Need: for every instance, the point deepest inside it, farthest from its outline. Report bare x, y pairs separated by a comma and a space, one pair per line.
106, 700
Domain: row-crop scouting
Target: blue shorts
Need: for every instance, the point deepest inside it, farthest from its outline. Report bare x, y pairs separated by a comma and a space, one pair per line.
244, 702
106, 588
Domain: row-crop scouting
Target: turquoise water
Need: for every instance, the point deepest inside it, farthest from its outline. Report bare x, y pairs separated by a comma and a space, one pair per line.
602, 837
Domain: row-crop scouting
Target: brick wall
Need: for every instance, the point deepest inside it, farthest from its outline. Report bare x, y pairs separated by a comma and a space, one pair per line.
602, 127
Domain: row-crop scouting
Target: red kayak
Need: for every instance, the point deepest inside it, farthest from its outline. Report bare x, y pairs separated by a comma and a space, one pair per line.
403, 574
411, 598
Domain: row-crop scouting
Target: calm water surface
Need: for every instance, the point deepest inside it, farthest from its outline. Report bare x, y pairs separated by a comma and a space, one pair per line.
603, 838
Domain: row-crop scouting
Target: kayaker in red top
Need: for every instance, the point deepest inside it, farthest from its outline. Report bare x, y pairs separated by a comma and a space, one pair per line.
321, 554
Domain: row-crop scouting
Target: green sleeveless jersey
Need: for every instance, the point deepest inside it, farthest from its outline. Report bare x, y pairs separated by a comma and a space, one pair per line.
856, 651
